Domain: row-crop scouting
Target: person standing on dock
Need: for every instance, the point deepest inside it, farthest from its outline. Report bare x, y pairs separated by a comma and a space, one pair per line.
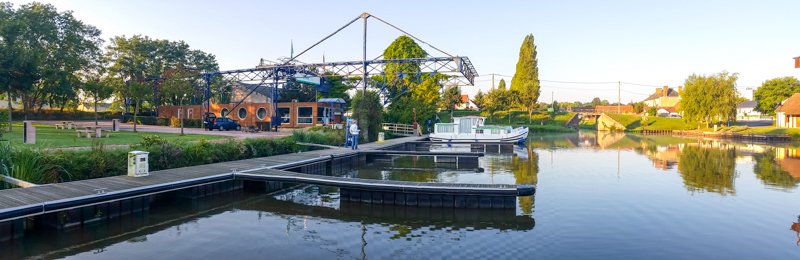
354, 134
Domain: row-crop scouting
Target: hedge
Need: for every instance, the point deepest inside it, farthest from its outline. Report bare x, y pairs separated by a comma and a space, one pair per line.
50, 166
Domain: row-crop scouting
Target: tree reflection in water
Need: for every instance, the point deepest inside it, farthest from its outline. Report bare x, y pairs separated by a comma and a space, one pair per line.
526, 171
705, 169
769, 170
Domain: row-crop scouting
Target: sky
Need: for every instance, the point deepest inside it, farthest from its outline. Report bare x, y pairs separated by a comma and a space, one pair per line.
649, 43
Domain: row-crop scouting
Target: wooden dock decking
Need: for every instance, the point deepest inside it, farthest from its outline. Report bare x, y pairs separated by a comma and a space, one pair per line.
23, 202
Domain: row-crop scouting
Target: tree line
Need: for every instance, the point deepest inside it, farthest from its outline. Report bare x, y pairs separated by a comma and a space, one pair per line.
50, 58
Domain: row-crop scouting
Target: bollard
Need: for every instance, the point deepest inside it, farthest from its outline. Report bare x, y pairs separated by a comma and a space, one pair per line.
28, 132
115, 125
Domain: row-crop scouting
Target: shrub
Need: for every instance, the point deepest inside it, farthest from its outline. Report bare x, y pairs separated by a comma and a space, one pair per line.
326, 137
36, 167
3, 123
56, 166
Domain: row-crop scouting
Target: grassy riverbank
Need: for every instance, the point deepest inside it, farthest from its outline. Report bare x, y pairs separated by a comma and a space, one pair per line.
47, 136
50, 166
538, 123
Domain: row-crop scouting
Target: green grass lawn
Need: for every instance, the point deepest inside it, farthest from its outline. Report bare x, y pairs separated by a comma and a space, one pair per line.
794, 133
629, 121
634, 122
664, 123
47, 136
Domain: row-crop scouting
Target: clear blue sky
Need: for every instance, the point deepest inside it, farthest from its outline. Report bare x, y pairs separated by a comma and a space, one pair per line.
647, 42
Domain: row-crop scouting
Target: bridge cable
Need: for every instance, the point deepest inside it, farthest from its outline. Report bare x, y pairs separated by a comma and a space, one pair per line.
410, 35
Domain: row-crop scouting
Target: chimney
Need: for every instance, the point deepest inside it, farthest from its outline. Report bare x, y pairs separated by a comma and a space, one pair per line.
665, 90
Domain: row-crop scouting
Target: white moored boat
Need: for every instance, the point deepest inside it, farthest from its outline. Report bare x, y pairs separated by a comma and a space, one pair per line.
472, 129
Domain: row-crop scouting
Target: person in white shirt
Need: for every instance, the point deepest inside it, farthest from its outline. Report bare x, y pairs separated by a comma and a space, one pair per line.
354, 134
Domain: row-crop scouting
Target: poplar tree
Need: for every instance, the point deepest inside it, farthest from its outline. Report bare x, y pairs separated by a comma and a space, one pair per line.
526, 77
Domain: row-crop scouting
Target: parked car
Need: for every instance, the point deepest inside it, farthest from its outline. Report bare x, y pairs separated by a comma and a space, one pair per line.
224, 124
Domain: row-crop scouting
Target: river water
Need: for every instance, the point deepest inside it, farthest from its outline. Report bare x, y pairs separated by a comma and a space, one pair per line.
599, 196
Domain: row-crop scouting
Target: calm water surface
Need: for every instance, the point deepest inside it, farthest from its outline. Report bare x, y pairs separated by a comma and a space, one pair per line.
599, 196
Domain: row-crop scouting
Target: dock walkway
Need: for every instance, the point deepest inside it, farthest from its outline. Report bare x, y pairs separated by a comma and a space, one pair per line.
25, 202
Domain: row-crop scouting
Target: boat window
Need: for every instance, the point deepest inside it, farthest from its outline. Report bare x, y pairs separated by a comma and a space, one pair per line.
496, 131
479, 131
465, 125
442, 128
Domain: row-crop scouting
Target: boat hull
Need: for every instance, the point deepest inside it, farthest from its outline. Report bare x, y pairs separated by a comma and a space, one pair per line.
515, 137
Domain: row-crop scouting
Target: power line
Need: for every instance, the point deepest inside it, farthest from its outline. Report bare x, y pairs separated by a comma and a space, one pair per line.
576, 82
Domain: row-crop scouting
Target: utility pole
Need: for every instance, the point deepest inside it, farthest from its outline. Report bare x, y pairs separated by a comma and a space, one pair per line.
619, 100
492, 80
365, 15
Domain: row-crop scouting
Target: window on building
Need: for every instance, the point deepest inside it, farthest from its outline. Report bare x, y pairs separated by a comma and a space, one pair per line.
305, 115
285, 114
322, 113
242, 113
261, 113
223, 112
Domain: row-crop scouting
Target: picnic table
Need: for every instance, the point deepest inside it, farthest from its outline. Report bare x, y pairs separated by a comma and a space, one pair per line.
92, 131
65, 125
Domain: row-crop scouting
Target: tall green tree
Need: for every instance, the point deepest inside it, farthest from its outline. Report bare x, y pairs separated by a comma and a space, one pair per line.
43, 49
97, 87
139, 59
451, 98
479, 100
596, 102
368, 110
399, 75
137, 92
707, 99
526, 78
773, 91
501, 85
409, 90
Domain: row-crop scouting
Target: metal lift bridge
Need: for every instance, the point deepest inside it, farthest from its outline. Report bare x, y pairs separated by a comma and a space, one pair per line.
457, 69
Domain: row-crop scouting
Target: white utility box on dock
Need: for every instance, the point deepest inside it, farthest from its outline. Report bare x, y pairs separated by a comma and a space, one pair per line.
381, 137
137, 164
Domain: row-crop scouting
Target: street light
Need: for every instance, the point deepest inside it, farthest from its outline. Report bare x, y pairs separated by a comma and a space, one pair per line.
180, 113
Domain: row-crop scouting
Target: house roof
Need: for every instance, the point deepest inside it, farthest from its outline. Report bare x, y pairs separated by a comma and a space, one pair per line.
331, 100
670, 93
747, 104
791, 105
614, 108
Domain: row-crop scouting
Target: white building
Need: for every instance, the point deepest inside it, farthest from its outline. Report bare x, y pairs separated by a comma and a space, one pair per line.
747, 111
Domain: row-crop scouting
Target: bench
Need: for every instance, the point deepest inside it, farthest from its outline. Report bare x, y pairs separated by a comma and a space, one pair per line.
86, 132
105, 133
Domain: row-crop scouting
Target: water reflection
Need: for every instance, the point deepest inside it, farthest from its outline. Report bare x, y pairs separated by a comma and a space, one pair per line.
704, 165
796, 228
708, 169
777, 169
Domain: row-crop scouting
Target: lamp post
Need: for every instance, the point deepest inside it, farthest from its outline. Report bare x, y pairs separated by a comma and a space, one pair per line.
180, 113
